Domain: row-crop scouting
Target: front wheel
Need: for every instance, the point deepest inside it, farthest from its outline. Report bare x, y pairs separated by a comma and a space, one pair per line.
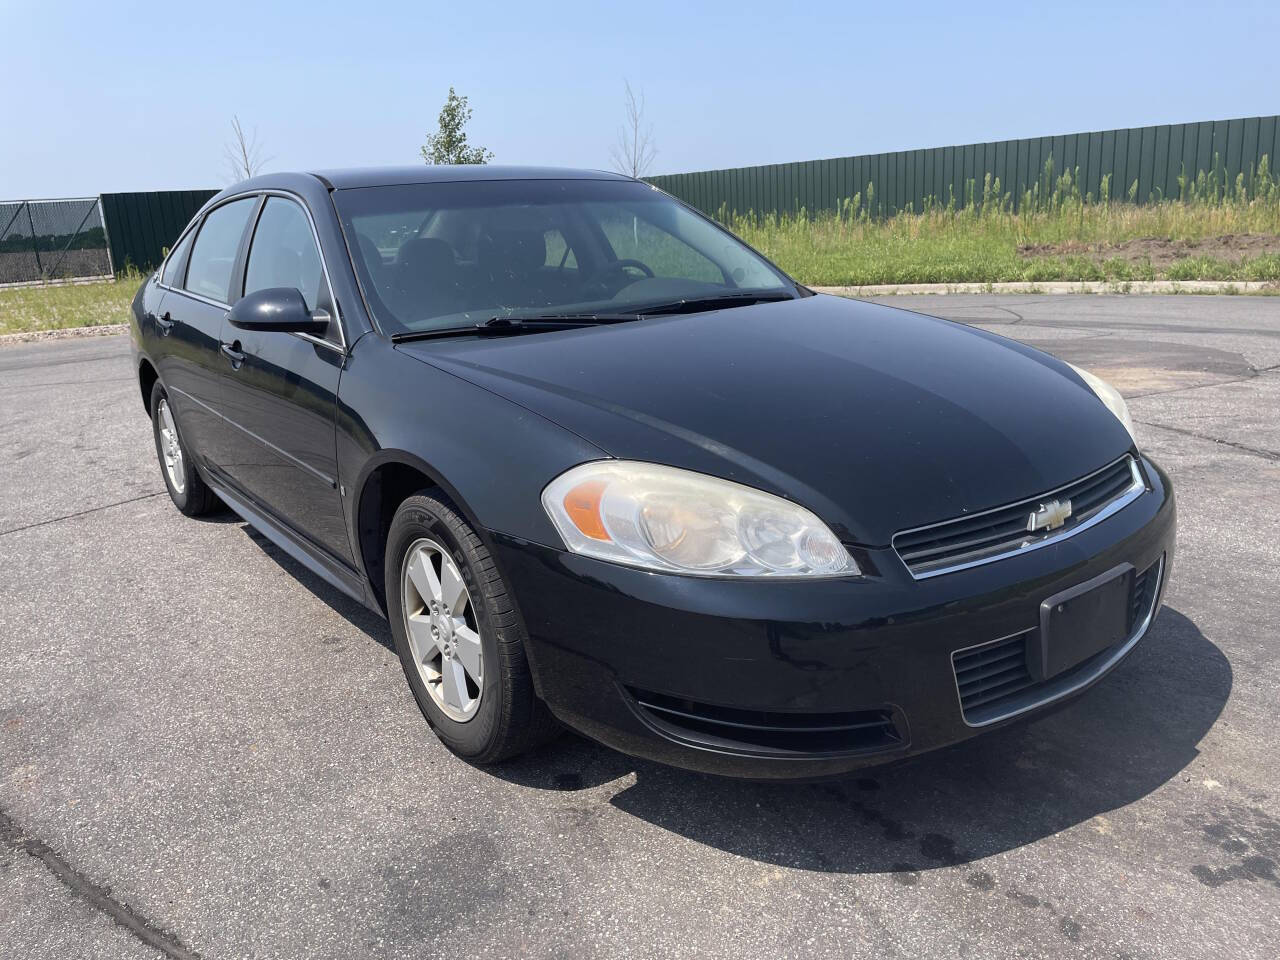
458, 635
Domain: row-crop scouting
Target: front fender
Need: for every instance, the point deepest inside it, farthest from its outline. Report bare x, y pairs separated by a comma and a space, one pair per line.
491, 456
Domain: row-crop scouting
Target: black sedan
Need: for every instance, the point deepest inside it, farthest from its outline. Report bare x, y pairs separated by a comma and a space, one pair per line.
601, 464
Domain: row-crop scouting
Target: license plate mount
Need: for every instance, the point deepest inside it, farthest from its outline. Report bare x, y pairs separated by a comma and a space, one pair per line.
1083, 620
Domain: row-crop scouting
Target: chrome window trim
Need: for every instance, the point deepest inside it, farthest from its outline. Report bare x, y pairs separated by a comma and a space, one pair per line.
196, 296
1083, 681
324, 265
1136, 488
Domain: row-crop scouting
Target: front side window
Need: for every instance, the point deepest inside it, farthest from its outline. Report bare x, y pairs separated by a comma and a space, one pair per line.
214, 255
283, 254
173, 267
436, 255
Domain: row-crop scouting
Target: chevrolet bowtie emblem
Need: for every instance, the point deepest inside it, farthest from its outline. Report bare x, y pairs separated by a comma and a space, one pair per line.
1050, 516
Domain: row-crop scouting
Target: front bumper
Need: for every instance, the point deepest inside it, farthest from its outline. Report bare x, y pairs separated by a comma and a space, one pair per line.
776, 679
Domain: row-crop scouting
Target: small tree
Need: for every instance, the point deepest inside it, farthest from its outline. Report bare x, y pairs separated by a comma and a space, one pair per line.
244, 153
449, 143
634, 152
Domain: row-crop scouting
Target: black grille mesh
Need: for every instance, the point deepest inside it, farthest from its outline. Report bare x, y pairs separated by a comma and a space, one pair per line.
992, 679
1143, 594
993, 673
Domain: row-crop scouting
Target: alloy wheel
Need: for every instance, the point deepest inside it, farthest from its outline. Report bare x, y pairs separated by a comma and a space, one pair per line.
170, 448
444, 635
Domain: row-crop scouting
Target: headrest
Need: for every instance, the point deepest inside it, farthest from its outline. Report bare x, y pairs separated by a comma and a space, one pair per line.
518, 252
429, 255
369, 250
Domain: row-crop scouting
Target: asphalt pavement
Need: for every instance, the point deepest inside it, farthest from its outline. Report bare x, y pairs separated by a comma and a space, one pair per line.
205, 751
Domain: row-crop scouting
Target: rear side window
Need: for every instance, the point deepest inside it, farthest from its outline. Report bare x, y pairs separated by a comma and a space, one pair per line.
214, 253
173, 267
284, 254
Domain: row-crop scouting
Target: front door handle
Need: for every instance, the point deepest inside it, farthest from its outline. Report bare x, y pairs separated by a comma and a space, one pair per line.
232, 352
164, 323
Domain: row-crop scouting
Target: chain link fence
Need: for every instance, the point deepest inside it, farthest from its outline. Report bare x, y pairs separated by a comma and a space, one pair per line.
50, 240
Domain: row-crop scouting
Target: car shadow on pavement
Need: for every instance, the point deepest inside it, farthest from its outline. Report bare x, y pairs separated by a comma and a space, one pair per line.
1131, 733
1122, 740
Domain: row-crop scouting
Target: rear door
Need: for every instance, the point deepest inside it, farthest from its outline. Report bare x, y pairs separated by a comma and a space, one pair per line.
198, 278
280, 399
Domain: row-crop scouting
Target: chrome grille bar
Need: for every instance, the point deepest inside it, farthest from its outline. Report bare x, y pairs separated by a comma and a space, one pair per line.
991, 535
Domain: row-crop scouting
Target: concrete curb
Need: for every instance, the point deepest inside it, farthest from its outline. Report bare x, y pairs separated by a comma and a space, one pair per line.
870, 290
1055, 287
63, 333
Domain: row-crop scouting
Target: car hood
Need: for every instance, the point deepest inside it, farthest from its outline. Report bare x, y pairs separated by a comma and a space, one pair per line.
875, 418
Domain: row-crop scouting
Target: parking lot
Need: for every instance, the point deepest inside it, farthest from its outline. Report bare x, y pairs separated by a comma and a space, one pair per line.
204, 750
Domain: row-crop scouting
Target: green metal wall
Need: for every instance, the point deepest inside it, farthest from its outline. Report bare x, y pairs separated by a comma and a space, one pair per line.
141, 226
1153, 156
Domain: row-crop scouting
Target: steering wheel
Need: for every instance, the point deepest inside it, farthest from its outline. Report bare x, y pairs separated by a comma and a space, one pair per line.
619, 267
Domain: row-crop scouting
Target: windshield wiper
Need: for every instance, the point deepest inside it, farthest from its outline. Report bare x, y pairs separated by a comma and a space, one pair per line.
715, 302
553, 321
408, 336
498, 326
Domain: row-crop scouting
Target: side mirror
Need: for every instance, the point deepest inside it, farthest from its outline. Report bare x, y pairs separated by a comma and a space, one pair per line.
280, 309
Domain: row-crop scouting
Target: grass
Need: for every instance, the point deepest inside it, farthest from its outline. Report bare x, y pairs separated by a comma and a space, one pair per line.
1056, 234
23, 309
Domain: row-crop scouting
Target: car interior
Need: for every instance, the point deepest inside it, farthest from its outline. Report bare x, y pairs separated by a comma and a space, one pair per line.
483, 262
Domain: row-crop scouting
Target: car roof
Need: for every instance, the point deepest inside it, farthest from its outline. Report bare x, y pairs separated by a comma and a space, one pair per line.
425, 173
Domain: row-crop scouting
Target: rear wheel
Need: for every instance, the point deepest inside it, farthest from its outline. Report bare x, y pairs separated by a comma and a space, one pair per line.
187, 490
458, 635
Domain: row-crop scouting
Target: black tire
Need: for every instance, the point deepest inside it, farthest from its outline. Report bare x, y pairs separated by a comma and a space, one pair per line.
510, 719
195, 498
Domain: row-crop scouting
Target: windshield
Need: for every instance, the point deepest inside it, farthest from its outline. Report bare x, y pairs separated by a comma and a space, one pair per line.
437, 255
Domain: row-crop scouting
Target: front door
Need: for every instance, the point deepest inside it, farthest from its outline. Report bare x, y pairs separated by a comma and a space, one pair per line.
280, 389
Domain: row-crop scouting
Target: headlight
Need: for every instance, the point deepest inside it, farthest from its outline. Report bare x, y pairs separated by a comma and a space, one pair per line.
1110, 397
676, 521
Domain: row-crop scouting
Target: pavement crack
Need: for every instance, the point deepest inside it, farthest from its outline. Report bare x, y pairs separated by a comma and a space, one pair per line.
1195, 386
79, 513
1243, 448
63, 383
24, 364
100, 898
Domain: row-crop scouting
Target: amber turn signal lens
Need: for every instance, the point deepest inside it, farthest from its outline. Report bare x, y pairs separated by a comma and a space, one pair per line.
582, 504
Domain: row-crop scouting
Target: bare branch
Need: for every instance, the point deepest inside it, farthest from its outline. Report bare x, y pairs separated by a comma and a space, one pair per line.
244, 153
634, 151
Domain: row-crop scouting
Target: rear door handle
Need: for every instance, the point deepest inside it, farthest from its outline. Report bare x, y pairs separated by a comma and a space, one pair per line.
232, 352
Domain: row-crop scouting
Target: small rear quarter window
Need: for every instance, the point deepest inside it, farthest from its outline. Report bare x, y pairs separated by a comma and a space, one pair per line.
176, 265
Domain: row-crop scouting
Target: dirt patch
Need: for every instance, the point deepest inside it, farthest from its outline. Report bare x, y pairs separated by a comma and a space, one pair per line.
1161, 251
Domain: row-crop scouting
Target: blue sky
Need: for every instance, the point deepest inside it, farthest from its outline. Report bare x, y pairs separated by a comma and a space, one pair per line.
118, 96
